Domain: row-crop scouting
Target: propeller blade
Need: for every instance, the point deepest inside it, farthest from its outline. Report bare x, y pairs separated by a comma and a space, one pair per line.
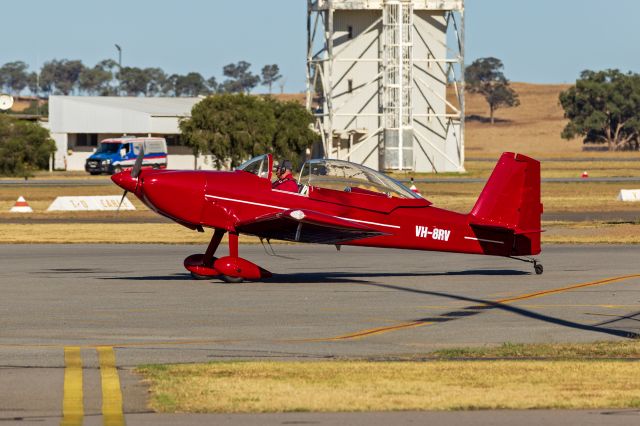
137, 167
122, 200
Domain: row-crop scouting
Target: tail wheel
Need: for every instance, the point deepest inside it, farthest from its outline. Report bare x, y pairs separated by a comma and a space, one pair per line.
155, 166
117, 169
231, 280
538, 268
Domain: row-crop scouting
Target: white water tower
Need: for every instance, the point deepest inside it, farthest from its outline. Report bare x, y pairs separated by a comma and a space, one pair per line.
385, 79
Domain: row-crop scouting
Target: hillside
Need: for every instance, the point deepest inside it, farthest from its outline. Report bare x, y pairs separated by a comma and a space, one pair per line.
532, 128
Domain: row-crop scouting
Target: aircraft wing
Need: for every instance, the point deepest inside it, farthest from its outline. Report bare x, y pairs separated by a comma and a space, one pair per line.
306, 226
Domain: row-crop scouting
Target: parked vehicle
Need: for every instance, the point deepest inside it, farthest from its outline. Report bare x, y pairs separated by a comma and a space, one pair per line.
118, 154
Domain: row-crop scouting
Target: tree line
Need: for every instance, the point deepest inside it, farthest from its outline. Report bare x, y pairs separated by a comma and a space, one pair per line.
603, 107
107, 78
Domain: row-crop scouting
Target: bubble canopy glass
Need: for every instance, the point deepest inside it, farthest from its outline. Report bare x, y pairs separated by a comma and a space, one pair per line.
351, 177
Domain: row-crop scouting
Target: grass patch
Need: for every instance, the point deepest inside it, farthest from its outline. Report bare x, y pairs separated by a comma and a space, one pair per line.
591, 233
260, 387
170, 233
628, 349
106, 233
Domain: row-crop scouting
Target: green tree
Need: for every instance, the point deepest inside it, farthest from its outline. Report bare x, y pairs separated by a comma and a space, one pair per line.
14, 76
96, 80
133, 81
604, 107
293, 133
213, 85
192, 84
486, 77
157, 81
24, 147
240, 78
270, 75
60, 76
236, 127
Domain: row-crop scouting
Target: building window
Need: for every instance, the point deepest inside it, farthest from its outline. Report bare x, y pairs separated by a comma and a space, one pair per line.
87, 139
350, 86
350, 31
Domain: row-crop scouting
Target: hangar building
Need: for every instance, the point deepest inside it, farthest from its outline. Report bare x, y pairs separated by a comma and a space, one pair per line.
385, 79
79, 123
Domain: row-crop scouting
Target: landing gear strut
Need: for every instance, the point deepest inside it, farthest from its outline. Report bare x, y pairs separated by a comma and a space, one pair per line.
231, 269
537, 266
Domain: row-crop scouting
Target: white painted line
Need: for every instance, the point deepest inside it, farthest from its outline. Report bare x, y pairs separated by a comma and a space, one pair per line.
483, 240
246, 202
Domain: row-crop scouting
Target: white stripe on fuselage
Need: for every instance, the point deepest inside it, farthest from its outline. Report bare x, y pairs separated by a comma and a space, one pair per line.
483, 240
287, 208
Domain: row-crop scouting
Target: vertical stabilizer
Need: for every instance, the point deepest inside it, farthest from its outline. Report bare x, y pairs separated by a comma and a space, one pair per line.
510, 201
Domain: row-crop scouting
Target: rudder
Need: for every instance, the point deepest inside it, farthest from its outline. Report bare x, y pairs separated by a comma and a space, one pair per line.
510, 201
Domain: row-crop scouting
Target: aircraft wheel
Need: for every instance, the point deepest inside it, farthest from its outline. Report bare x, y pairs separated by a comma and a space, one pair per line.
231, 280
117, 169
199, 277
538, 268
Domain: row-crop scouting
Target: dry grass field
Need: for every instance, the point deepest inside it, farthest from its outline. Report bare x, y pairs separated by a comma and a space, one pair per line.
259, 387
533, 128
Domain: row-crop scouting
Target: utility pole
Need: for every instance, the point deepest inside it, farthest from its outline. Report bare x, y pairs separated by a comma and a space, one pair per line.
119, 64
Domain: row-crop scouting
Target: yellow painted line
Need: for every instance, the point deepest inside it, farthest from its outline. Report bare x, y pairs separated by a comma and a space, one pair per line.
72, 400
402, 326
112, 414
368, 332
568, 288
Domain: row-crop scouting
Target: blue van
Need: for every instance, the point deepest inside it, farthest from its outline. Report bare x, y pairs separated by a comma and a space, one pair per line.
115, 155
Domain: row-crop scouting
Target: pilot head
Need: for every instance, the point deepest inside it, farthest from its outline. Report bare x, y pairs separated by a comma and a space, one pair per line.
284, 167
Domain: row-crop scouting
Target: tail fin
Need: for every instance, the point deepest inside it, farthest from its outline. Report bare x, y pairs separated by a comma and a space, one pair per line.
510, 201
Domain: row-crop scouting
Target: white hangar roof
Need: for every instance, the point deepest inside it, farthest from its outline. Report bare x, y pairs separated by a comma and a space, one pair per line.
116, 114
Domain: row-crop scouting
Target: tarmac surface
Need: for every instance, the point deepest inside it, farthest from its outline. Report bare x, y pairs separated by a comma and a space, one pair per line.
86, 315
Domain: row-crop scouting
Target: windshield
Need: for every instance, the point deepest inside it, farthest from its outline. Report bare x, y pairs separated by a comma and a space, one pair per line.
108, 148
259, 166
350, 177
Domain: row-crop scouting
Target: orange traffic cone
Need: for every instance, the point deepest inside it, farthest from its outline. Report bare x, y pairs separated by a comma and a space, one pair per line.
413, 187
585, 174
21, 206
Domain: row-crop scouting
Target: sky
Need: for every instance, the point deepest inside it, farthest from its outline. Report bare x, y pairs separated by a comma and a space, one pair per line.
541, 41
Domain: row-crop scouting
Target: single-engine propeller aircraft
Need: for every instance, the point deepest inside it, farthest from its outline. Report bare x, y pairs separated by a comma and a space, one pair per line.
340, 203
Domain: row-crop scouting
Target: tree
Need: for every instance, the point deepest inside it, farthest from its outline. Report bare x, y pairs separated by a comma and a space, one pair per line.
133, 81
61, 76
14, 76
157, 81
24, 147
33, 83
236, 127
604, 107
192, 84
213, 85
293, 133
485, 76
96, 80
241, 80
270, 75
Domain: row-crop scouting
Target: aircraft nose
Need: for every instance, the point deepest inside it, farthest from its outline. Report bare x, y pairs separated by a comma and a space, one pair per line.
125, 181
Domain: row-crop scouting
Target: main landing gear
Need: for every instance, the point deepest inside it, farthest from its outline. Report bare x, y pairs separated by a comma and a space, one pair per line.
231, 269
537, 266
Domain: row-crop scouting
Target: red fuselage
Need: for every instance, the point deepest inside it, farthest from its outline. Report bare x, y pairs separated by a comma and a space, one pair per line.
222, 200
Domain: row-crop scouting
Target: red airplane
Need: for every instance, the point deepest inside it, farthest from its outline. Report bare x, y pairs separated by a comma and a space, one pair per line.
340, 203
